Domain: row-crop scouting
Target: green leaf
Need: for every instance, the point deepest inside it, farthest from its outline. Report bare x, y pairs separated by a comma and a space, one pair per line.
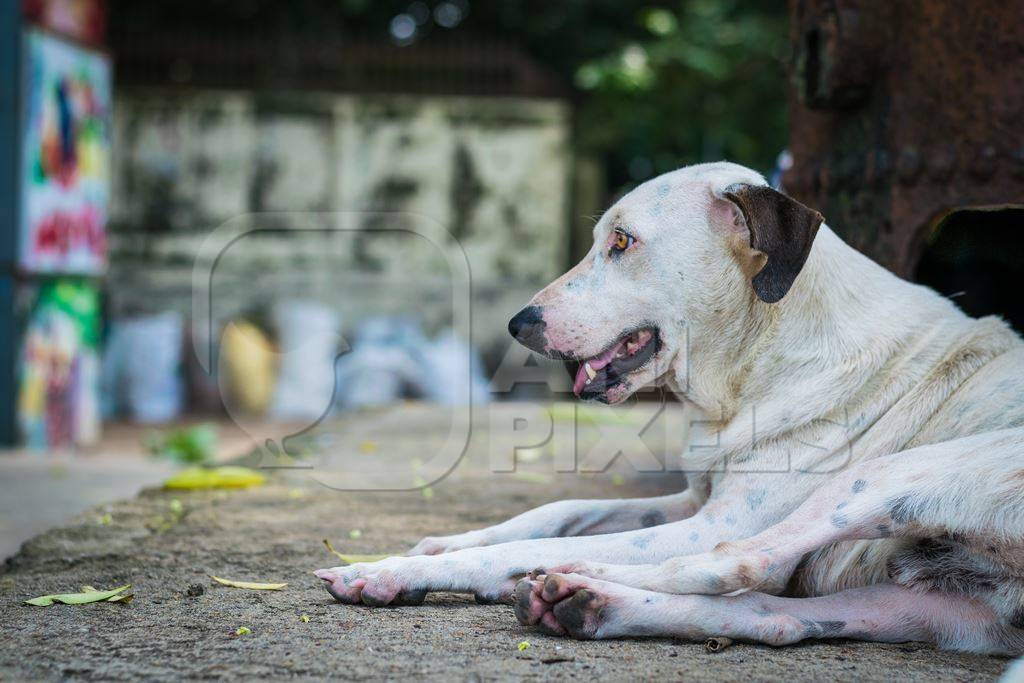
194, 445
77, 598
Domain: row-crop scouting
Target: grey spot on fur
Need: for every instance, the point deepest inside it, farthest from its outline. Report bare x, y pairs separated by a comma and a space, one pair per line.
652, 518
710, 517
755, 499
730, 520
641, 541
839, 521
884, 530
694, 537
842, 505
901, 510
822, 629
859, 485
487, 598
712, 581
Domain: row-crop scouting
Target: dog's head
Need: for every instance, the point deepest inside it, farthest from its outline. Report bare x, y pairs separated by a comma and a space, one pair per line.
671, 261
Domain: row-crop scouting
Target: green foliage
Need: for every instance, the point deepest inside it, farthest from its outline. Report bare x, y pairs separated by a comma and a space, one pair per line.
195, 445
707, 82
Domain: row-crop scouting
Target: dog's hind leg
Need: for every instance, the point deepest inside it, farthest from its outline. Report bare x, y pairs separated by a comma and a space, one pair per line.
571, 518
964, 500
584, 607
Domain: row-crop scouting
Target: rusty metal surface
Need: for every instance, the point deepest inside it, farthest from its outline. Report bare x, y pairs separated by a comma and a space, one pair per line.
904, 111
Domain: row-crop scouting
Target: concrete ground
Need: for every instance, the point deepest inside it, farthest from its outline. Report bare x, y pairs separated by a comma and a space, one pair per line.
181, 624
39, 491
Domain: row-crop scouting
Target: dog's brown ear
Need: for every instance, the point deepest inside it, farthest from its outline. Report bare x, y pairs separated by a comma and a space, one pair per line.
782, 229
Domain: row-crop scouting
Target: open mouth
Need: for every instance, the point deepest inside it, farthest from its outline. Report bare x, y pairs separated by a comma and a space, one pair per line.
593, 377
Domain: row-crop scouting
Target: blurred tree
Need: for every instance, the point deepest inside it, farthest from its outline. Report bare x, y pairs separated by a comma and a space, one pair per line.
657, 84
661, 84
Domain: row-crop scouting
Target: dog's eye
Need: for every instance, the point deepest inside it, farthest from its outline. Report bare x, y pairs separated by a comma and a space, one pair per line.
621, 241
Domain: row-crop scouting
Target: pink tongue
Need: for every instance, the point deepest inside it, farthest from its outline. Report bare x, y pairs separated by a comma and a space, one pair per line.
596, 364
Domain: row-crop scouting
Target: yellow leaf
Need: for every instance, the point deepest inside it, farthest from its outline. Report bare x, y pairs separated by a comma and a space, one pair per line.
355, 534
242, 631
215, 478
368, 447
583, 414
304, 619
532, 477
523, 645
250, 585
353, 559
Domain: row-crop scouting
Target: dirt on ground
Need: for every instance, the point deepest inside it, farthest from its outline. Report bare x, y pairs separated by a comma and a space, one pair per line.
183, 625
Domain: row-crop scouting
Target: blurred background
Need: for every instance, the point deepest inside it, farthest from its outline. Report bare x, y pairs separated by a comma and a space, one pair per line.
352, 150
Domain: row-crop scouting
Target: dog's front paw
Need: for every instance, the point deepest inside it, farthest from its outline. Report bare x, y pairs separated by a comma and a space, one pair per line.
436, 545
389, 582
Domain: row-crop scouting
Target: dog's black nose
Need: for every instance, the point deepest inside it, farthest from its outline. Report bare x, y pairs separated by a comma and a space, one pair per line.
528, 328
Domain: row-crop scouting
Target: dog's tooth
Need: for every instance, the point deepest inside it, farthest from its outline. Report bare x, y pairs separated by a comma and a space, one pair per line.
591, 372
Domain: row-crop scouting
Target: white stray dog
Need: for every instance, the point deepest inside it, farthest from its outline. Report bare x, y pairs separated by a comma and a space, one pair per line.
869, 464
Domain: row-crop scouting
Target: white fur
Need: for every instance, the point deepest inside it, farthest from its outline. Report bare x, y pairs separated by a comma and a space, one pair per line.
869, 434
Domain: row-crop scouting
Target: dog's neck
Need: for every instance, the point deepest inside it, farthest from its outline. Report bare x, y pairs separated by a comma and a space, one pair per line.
837, 337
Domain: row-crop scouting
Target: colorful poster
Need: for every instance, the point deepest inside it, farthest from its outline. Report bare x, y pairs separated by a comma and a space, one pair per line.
84, 20
58, 399
65, 157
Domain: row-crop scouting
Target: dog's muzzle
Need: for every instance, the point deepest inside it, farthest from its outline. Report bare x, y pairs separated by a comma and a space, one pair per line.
528, 328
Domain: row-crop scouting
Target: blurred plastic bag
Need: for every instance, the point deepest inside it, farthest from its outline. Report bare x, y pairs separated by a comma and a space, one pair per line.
247, 367
456, 372
385, 365
309, 338
141, 368
392, 360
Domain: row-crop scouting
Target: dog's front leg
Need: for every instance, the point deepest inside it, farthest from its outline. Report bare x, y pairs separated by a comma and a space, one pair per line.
491, 572
571, 518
